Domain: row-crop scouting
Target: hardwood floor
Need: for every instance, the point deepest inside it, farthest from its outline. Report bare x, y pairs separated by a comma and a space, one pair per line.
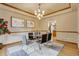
70, 49
3, 50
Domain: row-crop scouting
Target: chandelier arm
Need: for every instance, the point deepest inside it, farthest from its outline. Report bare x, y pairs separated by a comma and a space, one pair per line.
39, 5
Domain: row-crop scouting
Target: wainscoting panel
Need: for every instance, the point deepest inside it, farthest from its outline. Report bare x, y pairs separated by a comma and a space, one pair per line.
13, 37
70, 37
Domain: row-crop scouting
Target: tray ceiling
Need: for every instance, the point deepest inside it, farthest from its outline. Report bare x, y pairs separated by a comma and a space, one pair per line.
49, 8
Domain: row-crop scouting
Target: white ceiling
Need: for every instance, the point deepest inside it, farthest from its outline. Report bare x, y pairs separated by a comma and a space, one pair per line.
47, 7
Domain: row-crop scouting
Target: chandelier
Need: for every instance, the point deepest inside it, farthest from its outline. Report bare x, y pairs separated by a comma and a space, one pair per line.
39, 13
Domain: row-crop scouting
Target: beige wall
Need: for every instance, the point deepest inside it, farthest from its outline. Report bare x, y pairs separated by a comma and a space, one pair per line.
6, 14
78, 25
67, 22
64, 22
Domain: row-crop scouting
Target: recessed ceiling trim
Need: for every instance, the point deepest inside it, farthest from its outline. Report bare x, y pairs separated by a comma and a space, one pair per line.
59, 10
32, 13
17, 8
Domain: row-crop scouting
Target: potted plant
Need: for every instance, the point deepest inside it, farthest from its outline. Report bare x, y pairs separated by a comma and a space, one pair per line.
3, 28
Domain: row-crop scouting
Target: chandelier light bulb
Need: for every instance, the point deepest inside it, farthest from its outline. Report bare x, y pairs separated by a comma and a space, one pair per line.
43, 12
35, 12
41, 15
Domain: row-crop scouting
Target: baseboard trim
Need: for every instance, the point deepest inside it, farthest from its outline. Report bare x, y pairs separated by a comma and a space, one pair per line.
67, 41
12, 43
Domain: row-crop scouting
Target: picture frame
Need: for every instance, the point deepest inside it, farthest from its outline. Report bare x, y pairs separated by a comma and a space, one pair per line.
30, 23
17, 22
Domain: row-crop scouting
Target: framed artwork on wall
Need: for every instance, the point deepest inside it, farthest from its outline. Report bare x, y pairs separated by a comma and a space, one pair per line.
17, 22
30, 23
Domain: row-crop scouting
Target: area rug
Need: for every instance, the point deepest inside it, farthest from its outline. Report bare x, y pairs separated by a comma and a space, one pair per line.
35, 50
52, 50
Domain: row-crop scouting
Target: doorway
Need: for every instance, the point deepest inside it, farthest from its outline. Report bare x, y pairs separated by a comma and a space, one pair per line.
52, 27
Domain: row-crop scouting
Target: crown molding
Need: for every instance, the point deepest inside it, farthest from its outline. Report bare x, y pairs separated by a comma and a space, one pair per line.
32, 13
17, 8
59, 10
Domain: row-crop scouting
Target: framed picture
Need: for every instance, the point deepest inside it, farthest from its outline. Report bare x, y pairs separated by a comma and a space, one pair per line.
17, 22
30, 23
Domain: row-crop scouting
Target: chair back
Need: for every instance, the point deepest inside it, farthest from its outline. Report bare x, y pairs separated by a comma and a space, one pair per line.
44, 38
49, 37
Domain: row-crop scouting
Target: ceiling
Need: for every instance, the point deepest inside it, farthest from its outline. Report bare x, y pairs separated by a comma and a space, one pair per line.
49, 8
